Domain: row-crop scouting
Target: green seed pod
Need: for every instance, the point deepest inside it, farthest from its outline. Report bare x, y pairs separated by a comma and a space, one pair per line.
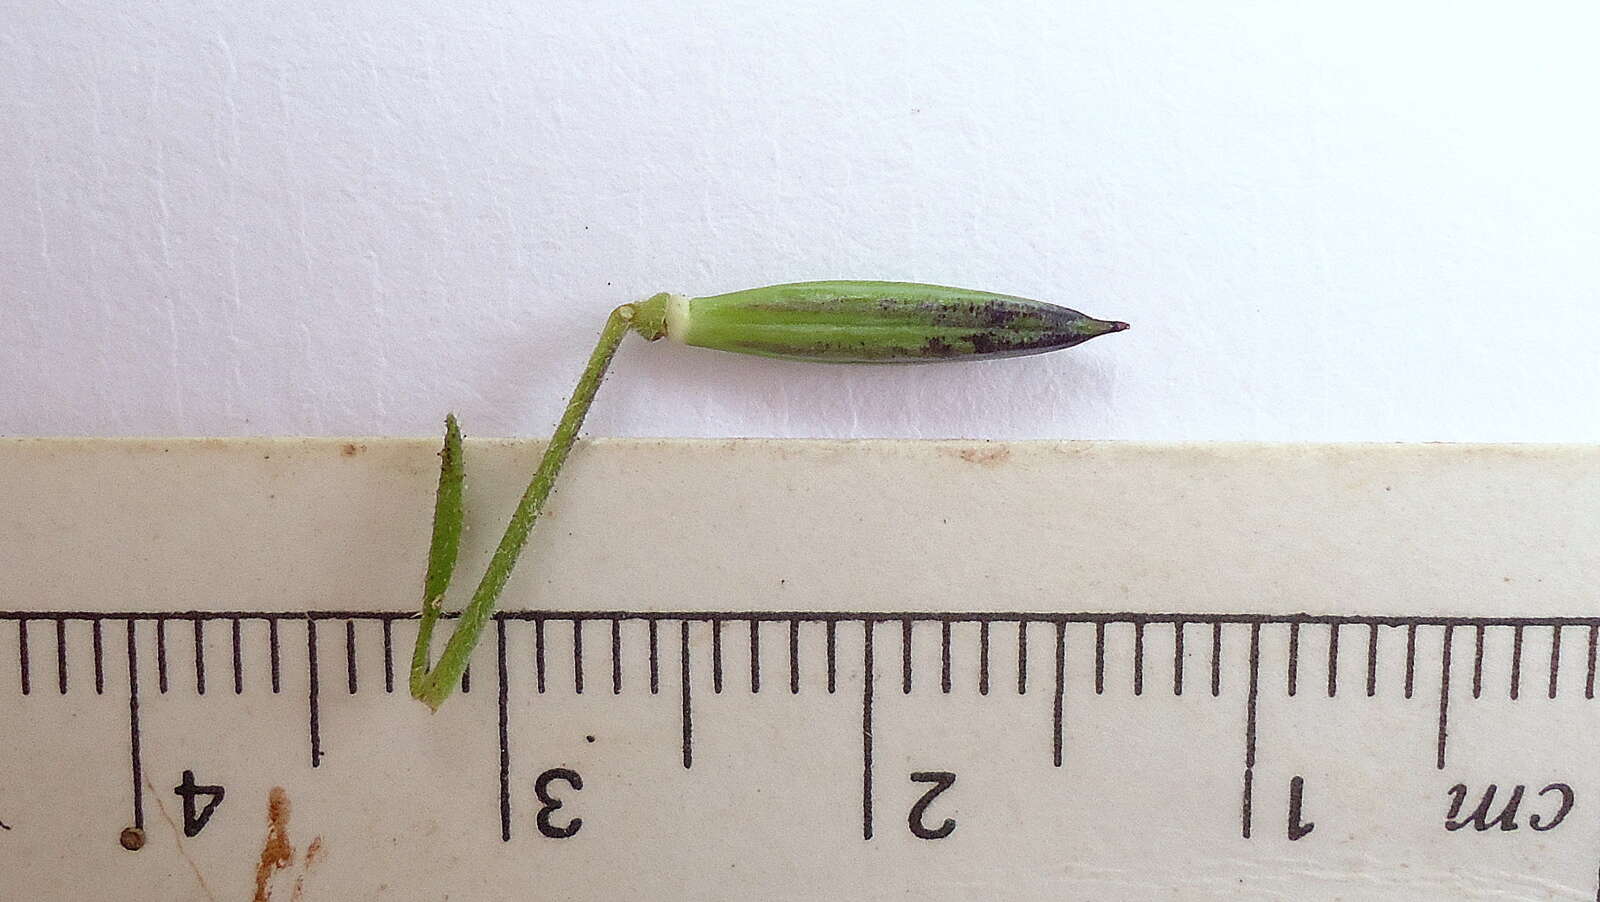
867, 322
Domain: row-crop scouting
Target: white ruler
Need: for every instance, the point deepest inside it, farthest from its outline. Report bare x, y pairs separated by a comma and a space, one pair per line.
806, 670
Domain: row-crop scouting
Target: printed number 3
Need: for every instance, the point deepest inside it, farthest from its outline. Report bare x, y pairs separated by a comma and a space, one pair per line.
541, 788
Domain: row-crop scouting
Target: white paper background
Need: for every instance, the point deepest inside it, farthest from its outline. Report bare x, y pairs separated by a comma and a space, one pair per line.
1326, 221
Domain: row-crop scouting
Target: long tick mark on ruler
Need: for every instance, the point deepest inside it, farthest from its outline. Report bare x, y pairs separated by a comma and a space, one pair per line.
313, 677
135, 751
1250, 728
1060, 697
687, 709
1444, 693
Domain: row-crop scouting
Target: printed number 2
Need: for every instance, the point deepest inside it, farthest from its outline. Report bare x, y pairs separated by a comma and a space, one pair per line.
541, 788
941, 781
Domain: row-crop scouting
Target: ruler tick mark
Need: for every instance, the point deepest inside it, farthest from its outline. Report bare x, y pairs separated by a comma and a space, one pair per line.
1372, 660
983, 658
1177, 657
944, 657
832, 669
22, 654
272, 654
1333, 659
1022, 657
687, 714
505, 731
133, 727
1250, 726
311, 693
716, 656
350, 655
1444, 693
755, 656
866, 724
1138, 657
616, 656
238, 659
577, 655
1516, 662
1555, 658
388, 655
1477, 662
538, 652
1099, 658
1411, 658
61, 654
905, 656
1216, 658
99, 658
655, 668
199, 657
1588, 680
161, 656
1060, 701
794, 657
1294, 658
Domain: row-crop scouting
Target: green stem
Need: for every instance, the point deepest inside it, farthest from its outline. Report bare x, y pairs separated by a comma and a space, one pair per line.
433, 687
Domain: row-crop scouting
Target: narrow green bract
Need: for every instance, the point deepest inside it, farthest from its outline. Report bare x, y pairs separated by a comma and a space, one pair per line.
836, 322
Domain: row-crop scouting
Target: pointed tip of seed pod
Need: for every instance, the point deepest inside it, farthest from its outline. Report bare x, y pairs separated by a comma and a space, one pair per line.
1097, 327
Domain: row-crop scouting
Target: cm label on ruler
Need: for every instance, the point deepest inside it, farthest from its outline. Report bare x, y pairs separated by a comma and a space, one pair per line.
811, 716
